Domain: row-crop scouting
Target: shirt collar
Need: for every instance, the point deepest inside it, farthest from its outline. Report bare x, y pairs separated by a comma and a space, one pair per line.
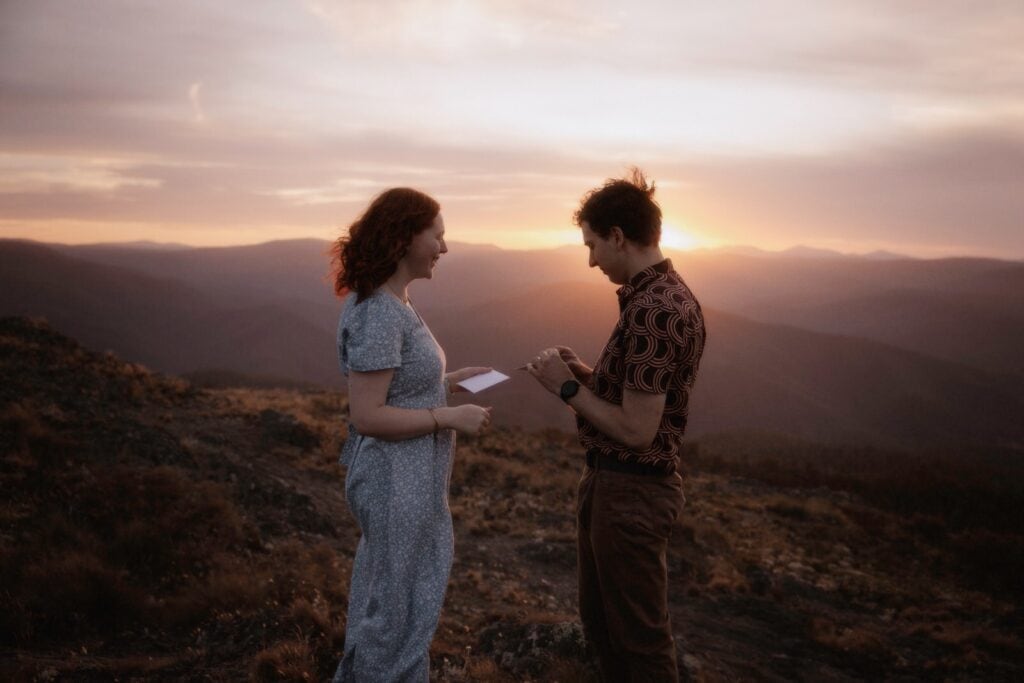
641, 280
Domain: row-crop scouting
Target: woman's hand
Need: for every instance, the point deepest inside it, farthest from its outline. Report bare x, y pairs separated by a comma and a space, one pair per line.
459, 375
467, 419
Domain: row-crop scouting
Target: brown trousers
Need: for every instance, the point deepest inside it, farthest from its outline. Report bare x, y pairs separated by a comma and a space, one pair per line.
623, 525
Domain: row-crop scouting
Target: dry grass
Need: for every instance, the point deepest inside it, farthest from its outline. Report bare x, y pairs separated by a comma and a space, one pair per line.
290, 660
161, 532
846, 638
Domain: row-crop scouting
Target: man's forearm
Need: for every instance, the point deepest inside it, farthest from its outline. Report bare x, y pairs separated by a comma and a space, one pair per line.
610, 419
633, 423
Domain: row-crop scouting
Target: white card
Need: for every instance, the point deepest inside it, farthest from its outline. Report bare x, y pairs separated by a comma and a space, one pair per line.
481, 382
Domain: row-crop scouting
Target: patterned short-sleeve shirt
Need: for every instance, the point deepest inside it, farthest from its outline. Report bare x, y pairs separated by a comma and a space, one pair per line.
656, 347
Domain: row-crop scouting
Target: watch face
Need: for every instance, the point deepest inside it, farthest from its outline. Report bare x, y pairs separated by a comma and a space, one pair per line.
569, 389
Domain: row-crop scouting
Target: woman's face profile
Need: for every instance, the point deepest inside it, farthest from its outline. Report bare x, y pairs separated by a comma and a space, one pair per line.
425, 250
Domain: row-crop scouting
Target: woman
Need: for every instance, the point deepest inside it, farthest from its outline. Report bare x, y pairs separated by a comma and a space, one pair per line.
400, 442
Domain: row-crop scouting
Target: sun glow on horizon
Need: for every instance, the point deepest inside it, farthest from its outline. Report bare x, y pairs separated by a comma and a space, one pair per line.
675, 237
672, 237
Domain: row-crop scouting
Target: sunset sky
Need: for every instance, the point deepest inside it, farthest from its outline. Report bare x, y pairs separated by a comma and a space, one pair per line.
853, 125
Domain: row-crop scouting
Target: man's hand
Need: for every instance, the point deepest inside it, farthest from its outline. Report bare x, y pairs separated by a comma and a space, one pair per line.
550, 370
634, 423
579, 369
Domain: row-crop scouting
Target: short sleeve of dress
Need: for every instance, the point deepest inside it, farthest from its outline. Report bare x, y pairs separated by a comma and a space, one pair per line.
371, 336
654, 338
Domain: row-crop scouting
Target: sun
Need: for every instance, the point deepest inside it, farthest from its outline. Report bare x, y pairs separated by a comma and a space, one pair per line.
674, 237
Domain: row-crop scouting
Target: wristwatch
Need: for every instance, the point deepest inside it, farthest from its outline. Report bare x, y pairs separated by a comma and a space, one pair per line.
569, 389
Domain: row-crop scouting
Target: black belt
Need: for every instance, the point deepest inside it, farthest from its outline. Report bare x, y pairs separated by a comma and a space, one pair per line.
601, 461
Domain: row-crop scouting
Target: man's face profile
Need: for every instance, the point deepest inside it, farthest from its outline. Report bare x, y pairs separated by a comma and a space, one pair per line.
603, 253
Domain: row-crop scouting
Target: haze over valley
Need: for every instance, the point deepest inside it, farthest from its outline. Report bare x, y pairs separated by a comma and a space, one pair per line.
889, 351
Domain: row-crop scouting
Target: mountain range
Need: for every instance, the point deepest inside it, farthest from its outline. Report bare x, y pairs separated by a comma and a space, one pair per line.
892, 351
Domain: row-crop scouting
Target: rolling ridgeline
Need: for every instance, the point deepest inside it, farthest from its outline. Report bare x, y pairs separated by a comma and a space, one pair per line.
853, 504
833, 349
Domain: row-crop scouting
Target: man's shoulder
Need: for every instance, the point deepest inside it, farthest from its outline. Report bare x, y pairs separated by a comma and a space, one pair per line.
666, 308
667, 293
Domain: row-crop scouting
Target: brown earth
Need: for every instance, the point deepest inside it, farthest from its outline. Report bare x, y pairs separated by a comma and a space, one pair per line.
150, 530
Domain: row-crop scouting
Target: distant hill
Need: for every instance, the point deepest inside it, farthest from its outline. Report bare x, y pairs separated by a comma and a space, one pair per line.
964, 310
244, 276
267, 311
753, 375
826, 387
140, 245
967, 310
169, 324
956, 325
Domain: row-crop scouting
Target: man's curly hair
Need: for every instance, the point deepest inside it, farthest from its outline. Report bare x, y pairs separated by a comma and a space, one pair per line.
368, 254
627, 203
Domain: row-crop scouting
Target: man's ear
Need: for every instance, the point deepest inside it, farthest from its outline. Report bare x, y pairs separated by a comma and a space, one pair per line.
617, 236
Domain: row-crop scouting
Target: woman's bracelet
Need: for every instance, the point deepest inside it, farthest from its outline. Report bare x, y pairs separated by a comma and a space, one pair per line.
437, 425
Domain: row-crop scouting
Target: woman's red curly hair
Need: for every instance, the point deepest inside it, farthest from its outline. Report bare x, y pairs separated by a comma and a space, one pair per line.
368, 254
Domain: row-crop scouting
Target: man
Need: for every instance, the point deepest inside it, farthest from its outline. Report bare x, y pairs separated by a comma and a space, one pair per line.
631, 413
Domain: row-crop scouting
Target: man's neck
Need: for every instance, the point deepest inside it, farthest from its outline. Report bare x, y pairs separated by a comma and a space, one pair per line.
641, 259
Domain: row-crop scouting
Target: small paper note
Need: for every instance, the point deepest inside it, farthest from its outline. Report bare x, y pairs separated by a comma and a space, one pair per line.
480, 382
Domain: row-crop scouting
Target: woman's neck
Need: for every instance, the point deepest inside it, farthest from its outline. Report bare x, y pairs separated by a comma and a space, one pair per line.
398, 287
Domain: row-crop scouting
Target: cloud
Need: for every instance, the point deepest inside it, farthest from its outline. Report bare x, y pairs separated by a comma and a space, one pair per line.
952, 47
947, 191
446, 30
197, 107
23, 173
936, 193
783, 122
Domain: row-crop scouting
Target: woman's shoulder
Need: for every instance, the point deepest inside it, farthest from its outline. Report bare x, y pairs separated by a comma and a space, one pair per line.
379, 306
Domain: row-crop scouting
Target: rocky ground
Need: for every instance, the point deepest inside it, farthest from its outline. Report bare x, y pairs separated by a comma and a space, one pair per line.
150, 530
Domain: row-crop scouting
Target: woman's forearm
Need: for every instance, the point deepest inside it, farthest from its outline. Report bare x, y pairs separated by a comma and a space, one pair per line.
396, 424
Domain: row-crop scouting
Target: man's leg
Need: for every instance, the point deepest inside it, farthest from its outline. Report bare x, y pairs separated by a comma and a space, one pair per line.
595, 627
631, 520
